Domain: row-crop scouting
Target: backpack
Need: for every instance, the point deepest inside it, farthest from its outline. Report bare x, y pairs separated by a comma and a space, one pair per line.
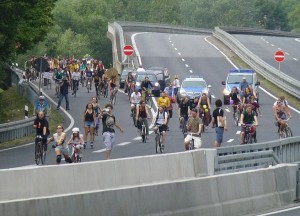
158, 115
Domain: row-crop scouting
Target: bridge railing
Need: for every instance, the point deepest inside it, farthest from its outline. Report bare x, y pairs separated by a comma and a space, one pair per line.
272, 74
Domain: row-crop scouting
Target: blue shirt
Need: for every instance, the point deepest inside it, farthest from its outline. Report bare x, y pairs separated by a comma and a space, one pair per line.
243, 86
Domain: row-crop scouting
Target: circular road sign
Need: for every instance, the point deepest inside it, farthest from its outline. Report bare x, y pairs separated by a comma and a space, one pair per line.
279, 56
128, 50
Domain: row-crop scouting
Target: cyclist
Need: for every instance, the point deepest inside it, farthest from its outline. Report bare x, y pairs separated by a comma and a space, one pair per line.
75, 78
193, 104
140, 69
242, 86
235, 98
60, 146
97, 110
280, 115
284, 103
170, 90
255, 106
109, 121
183, 110
169, 109
194, 125
248, 117
97, 78
142, 114
57, 76
112, 84
160, 122
204, 108
135, 99
163, 100
42, 128
89, 76
128, 81
247, 96
146, 86
76, 140
41, 105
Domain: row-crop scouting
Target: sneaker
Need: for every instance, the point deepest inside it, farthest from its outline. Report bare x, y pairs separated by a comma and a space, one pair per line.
57, 108
162, 146
67, 109
84, 145
72, 93
92, 145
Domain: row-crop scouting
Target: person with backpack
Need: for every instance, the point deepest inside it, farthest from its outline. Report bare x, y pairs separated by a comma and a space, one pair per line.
160, 123
108, 122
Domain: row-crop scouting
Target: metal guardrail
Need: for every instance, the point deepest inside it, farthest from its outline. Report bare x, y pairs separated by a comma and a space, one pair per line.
277, 77
245, 157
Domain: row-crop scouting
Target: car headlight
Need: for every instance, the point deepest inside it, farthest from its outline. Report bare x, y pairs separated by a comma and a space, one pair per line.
226, 92
156, 84
138, 84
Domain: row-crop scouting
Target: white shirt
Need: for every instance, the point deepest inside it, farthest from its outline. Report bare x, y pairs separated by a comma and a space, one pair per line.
140, 70
284, 103
161, 119
57, 138
135, 98
176, 83
76, 75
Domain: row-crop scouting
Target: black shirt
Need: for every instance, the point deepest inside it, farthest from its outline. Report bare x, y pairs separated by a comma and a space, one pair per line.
108, 122
234, 97
146, 84
193, 105
64, 87
184, 108
217, 112
40, 124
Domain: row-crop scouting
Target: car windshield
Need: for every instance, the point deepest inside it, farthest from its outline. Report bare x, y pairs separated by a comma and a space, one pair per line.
193, 84
125, 72
237, 78
160, 76
141, 77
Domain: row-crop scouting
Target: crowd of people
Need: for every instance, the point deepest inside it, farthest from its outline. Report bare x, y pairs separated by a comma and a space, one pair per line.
196, 114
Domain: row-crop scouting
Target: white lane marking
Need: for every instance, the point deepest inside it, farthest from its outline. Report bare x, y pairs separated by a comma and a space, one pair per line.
179, 53
280, 211
262, 38
16, 147
191, 71
213, 96
267, 42
238, 132
172, 44
295, 59
227, 110
98, 151
287, 53
279, 48
186, 65
122, 91
175, 48
182, 59
297, 39
170, 41
137, 53
272, 45
150, 132
123, 143
137, 138
229, 141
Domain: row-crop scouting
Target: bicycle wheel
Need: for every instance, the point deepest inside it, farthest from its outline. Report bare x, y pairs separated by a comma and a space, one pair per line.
73, 157
288, 132
37, 153
157, 144
236, 117
43, 155
144, 133
160, 145
191, 145
114, 99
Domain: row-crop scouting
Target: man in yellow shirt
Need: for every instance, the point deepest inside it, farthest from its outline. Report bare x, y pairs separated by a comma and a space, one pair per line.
164, 100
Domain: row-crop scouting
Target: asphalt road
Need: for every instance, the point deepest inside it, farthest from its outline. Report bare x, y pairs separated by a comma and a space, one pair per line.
266, 46
184, 55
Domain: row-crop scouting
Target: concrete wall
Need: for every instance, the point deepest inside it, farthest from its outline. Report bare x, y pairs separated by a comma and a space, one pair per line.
220, 195
54, 180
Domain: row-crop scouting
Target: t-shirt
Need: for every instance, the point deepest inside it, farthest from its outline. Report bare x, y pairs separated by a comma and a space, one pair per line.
184, 108
41, 123
57, 138
89, 73
248, 118
161, 117
217, 112
64, 87
193, 105
76, 75
108, 122
146, 85
193, 124
234, 97
58, 75
135, 98
163, 101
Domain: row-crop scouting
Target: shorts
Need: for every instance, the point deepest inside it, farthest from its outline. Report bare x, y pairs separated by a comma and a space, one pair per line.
89, 124
162, 128
170, 113
197, 140
219, 134
109, 140
63, 150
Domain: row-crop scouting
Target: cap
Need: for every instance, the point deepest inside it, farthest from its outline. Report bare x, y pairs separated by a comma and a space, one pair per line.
244, 78
41, 97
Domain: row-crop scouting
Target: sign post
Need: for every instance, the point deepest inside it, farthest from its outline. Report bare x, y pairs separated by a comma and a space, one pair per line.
128, 51
279, 57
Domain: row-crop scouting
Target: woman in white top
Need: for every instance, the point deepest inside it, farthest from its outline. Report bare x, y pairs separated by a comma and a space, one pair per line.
176, 85
61, 146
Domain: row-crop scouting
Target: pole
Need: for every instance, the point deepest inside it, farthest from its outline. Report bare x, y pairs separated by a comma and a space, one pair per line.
40, 77
279, 66
128, 61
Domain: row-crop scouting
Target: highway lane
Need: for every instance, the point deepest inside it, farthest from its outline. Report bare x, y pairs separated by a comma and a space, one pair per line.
266, 46
197, 55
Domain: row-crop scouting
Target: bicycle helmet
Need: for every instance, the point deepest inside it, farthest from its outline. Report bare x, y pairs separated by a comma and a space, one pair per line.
75, 130
42, 97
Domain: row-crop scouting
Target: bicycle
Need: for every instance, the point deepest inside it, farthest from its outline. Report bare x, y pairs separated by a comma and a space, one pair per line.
158, 137
249, 134
39, 151
142, 130
76, 155
113, 96
183, 126
75, 87
89, 84
104, 89
286, 132
57, 86
236, 113
133, 113
192, 142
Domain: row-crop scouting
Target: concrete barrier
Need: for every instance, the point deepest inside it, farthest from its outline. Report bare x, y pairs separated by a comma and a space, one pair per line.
101, 175
241, 193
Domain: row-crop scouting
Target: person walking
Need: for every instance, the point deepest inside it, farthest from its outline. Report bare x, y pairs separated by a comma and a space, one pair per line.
64, 90
89, 121
109, 121
219, 123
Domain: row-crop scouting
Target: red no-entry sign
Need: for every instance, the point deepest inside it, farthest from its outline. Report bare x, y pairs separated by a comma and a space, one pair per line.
279, 56
128, 50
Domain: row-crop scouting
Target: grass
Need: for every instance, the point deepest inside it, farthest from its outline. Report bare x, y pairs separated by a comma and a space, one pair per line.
13, 106
275, 90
